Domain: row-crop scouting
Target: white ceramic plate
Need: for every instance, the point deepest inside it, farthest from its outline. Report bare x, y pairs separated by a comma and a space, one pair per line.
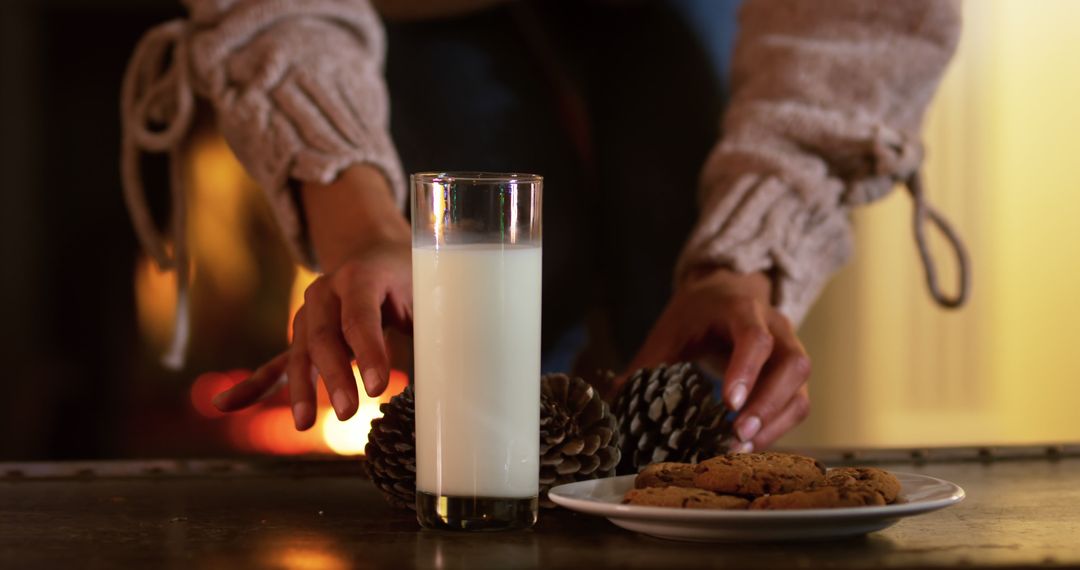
919, 494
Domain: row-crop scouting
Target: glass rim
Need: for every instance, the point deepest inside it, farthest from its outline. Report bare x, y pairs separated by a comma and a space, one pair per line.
475, 176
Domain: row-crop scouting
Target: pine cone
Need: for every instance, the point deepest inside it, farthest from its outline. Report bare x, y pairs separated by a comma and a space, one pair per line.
391, 450
578, 434
668, 414
578, 440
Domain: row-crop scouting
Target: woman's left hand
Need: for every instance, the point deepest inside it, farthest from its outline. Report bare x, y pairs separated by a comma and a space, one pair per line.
727, 317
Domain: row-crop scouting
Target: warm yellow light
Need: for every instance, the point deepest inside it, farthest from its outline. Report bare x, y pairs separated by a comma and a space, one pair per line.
307, 559
222, 203
155, 300
304, 278
890, 368
272, 431
350, 436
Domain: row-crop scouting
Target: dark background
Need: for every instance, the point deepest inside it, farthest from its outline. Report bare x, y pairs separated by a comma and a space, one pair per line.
69, 327
79, 380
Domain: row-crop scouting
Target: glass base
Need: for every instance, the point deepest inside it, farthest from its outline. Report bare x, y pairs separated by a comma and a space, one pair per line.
474, 513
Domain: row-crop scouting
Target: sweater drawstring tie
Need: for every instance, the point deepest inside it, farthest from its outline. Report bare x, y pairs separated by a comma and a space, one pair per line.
157, 91
923, 211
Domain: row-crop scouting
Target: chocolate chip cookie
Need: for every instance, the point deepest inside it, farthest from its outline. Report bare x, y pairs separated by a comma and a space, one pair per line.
756, 474
682, 498
865, 478
666, 475
820, 498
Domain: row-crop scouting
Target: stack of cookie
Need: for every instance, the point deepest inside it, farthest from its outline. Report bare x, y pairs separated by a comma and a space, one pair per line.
761, 481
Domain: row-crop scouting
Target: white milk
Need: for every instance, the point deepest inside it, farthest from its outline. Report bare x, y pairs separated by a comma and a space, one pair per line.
476, 334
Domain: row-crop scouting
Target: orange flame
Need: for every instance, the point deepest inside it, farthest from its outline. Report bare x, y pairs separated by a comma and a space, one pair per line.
155, 300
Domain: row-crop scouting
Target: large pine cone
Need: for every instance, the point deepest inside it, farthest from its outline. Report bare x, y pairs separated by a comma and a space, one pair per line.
668, 414
578, 434
391, 450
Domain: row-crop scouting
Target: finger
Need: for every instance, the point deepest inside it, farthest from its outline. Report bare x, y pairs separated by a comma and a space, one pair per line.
361, 325
301, 376
752, 346
786, 374
327, 348
260, 385
796, 410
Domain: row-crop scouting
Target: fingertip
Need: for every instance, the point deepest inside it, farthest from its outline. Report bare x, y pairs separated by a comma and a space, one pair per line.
374, 382
747, 427
221, 401
743, 447
737, 394
344, 404
303, 415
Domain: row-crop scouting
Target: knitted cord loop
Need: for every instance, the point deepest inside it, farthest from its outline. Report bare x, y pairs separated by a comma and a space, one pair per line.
923, 211
157, 93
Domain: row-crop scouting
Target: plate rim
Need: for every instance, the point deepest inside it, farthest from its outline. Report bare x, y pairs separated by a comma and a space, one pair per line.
615, 510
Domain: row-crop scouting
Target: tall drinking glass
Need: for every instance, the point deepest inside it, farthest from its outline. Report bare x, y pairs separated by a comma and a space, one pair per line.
476, 329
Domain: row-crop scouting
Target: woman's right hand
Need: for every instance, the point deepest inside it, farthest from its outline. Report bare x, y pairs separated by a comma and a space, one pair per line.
365, 245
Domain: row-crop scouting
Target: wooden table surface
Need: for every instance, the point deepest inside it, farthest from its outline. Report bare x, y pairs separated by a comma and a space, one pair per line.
1022, 509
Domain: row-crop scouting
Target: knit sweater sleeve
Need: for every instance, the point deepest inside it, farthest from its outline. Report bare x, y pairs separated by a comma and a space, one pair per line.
298, 90
827, 102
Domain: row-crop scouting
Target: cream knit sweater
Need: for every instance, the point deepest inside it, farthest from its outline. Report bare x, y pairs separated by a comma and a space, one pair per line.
828, 97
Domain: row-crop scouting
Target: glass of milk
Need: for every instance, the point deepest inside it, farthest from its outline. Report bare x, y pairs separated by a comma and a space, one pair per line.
476, 334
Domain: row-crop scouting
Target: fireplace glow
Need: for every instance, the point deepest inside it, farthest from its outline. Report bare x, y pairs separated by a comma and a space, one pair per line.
155, 300
304, 278
208, 385
224, 204
350, 437
268, 427
272, 431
